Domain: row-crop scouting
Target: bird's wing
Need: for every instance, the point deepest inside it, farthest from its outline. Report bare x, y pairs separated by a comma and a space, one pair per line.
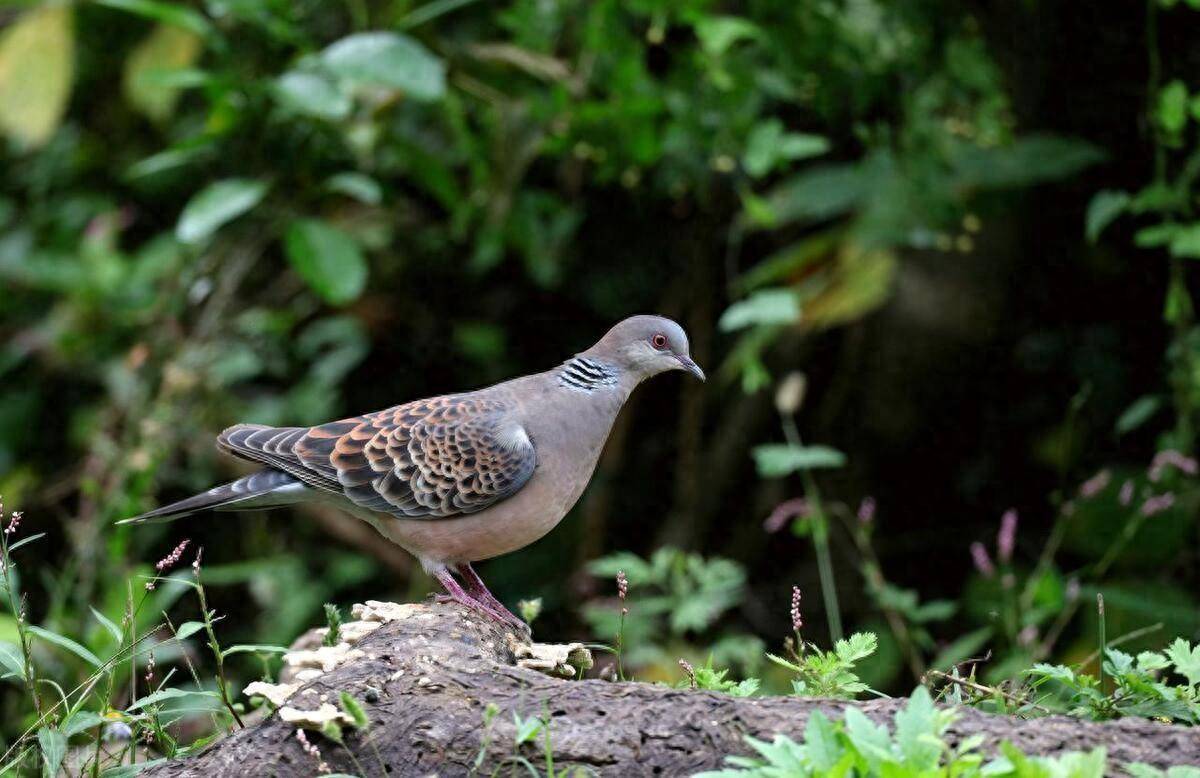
437, 458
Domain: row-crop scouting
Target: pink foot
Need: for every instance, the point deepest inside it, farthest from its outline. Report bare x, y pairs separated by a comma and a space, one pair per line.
478, 589
468, 599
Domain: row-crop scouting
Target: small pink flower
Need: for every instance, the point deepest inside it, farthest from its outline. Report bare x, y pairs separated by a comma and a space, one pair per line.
866, 510
1072, 592
784, 512
196, 561
169, 561
983, 563
1126, 495
172, 559
13, 523
1006, 538
797, 620
1157, 504
1171, 458
1096, 484
312, 751
622, 585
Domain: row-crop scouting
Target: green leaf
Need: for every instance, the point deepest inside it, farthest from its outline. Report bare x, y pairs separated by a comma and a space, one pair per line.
65, 642
352, 707
815, 194
81, 721
763, 307
327, 258
1143, 770
1186, 660
333, 731
1185, 241
1105, 206
312, 95
187, 629
167, 48
718, 33
1171, 110
768, 145
858, 646
388, 59
37, 64
361, 187
934, 610
53, 745
821, 742
109, 625
169, 694
1150, 661
916, 731
1138, 413
1029, 160
1155, 235
132, 770
871, 740
775, 460
430, 11
527, 729
12, 660
1059, 673
169, 13
215, 205
23, 541
252, 648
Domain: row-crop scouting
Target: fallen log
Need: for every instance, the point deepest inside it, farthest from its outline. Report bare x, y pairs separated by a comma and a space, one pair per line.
425, 675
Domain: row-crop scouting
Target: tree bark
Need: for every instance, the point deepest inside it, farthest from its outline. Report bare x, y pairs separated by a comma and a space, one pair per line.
426, 678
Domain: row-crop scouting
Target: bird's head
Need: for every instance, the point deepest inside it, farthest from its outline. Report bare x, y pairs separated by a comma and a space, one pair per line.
646, 346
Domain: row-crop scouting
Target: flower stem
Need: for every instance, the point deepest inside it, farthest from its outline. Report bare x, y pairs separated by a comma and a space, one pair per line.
222, 684
820, 536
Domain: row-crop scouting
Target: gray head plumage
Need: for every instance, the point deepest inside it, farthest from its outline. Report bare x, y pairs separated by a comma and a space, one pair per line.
645, 346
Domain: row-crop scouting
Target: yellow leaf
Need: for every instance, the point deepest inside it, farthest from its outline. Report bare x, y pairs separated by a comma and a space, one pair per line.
165, 49
858, 282
37, 60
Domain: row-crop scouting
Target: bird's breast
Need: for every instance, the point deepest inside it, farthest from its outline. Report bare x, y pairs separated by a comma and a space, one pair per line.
568, 441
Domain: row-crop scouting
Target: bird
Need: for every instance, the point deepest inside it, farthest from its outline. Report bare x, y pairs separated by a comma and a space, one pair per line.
458, 478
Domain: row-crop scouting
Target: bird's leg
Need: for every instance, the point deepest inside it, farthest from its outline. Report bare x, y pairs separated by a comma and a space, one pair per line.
478, 589
457, 594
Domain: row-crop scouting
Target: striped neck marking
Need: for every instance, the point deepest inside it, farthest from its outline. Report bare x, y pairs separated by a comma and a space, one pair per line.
587, 375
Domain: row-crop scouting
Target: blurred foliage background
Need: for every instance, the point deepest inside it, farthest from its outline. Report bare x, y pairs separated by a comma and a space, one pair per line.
969, 225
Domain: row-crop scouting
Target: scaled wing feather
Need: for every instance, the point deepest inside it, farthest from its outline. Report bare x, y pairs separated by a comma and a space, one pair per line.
438, 458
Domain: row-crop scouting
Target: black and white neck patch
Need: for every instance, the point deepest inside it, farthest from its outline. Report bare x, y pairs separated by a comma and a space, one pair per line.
587, 375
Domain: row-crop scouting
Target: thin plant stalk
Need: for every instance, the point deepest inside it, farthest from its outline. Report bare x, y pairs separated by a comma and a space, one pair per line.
187, 660
22, 634
820, 536
132, 615
872, 571
620, 644
222, 684
1100, 614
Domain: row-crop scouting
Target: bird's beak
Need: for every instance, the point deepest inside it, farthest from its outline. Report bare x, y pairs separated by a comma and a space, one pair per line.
690, 366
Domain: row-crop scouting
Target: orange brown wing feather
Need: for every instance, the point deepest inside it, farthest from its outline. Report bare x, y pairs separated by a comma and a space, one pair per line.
438, 458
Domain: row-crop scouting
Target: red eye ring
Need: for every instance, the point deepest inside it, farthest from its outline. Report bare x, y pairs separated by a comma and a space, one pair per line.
659, 341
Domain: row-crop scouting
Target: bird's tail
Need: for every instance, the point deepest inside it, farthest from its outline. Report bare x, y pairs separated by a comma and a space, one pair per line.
264, 489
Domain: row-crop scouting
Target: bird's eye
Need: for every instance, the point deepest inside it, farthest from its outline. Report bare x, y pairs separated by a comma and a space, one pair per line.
659, 341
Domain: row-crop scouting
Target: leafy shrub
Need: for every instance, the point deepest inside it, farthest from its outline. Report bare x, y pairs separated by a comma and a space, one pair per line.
1140, 685
829, 673
915, 747
674, 597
